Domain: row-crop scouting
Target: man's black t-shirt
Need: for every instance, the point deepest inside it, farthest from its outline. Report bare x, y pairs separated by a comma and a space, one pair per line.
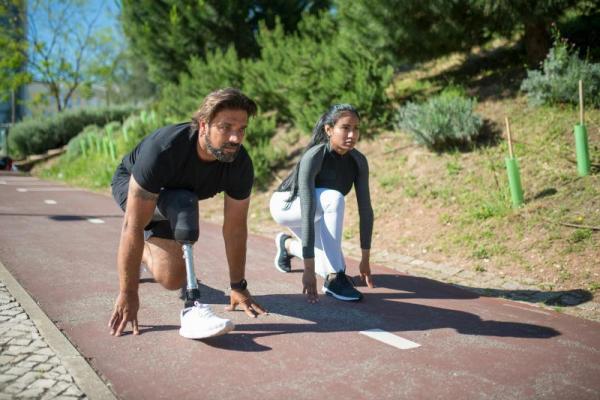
168, 159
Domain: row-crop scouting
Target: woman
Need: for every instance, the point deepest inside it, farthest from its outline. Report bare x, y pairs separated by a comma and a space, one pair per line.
310, 201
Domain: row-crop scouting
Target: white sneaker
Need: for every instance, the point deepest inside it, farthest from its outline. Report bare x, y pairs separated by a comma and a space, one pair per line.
199, 322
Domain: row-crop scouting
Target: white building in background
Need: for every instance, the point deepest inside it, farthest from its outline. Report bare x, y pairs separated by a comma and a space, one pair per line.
34, 100
38, 101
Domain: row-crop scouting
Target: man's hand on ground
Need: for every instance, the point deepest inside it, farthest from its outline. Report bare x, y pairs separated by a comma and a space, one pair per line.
243, 299
126, 308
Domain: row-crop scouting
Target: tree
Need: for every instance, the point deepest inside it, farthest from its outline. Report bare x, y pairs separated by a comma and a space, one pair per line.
13, 48
413, 30
66, 46
167, 33
131, 79
534, 17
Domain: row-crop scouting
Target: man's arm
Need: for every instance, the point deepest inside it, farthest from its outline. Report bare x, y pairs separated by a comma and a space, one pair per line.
138, 213
235, 235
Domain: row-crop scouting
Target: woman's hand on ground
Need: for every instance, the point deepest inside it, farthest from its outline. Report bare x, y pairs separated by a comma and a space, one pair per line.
309, 286
365, 274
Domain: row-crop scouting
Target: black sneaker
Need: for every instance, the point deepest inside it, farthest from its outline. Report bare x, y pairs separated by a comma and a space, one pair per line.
339, 286
282, 258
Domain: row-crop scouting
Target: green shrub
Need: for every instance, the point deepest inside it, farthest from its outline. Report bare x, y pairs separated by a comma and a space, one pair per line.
303, 74
296, 79
218, 70
443, 122
80, 144
297, 75
559, 79
258, 143
93, 155
35, 136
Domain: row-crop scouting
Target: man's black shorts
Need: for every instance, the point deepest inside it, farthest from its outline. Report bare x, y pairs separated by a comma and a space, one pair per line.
120, 188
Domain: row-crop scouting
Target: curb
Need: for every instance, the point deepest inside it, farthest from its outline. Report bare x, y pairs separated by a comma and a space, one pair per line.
86, 378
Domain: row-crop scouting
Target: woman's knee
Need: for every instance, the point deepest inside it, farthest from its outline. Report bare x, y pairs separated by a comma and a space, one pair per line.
332, 200
284, 212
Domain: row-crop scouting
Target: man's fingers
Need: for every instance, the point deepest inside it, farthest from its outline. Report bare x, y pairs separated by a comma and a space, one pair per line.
114, 322
122, 326
231, 306
259, 309
248, 310
113, 319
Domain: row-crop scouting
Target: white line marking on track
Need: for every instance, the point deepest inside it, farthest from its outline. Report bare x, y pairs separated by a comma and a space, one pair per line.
2, 182
22, 179
49, 189
526, 309
390, 338
50, 201
28, 183
95, 220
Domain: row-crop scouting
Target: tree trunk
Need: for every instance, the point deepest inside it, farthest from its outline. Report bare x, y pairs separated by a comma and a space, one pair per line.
537, 41
13, 107
55, 92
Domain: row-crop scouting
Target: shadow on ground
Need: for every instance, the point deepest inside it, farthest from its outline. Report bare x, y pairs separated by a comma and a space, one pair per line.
563, 298
399, 303
63, 217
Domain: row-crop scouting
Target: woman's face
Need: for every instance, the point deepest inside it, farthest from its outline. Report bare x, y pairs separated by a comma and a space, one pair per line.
344, 134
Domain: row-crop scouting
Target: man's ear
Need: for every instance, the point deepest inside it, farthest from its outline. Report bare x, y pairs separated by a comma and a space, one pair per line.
328, 130
202, 127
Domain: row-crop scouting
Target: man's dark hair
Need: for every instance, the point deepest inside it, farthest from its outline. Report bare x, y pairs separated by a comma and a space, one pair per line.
222, 99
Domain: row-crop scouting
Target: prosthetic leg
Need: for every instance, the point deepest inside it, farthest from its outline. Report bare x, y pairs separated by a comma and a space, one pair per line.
180, 208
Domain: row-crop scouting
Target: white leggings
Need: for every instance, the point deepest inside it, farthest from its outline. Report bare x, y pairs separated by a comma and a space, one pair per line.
329, 221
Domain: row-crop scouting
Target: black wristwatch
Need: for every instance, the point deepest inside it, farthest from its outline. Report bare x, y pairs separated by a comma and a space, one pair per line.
241, 285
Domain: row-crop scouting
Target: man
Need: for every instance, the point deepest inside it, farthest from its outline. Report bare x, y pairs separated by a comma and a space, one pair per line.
205, 157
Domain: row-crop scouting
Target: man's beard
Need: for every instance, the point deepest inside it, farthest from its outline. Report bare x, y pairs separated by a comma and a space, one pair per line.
219, 152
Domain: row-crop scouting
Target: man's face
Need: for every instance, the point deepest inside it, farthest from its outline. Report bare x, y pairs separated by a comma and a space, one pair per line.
223, 136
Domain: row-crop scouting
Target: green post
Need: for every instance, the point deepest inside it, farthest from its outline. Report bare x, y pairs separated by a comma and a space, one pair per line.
582, 150
514, 181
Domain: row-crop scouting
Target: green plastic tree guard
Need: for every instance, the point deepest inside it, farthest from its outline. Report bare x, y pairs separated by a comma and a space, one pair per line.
514, 181
582, 150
